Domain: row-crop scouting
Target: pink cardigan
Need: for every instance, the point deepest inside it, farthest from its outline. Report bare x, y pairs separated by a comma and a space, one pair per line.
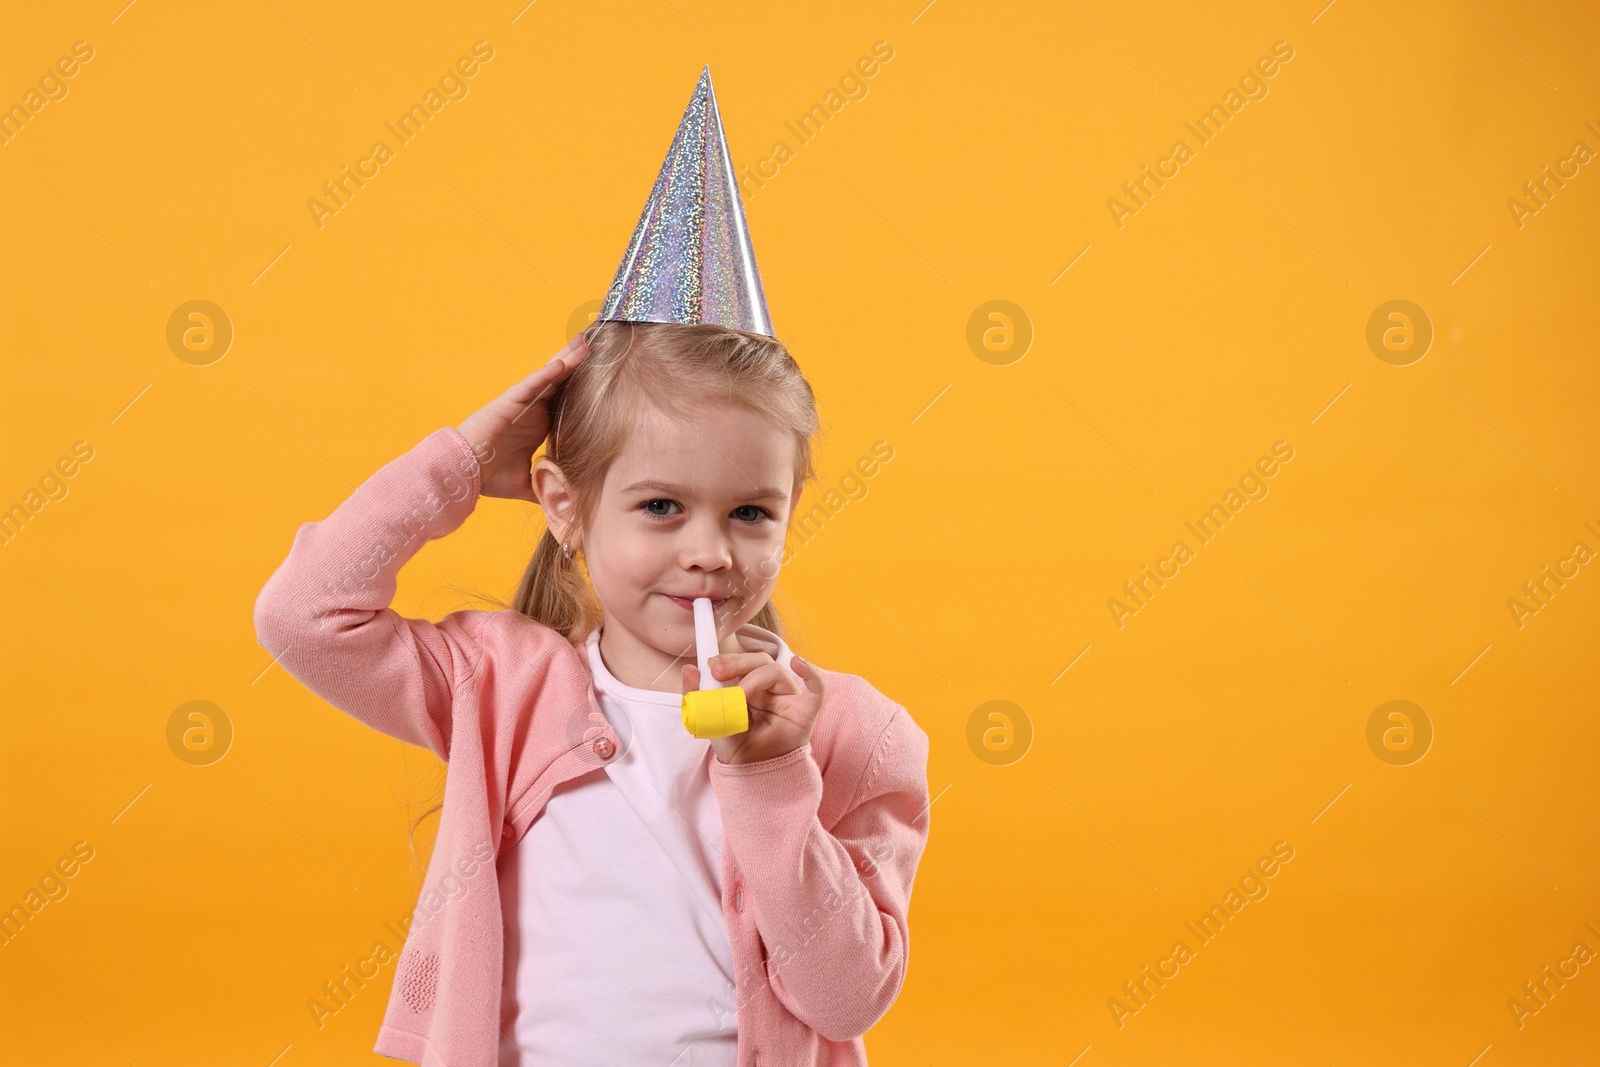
820, 845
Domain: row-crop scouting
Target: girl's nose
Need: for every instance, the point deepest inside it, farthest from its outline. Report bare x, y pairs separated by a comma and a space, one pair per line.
707, 549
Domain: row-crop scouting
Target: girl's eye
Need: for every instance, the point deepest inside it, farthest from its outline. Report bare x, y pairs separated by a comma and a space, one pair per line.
761, 513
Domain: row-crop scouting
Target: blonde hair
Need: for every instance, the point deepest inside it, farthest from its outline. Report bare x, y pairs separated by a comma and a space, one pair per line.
634, 368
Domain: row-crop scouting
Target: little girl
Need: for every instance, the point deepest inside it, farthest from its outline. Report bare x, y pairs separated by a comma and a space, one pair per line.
605, 888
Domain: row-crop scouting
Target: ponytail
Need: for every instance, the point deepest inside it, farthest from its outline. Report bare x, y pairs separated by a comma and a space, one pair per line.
554, 591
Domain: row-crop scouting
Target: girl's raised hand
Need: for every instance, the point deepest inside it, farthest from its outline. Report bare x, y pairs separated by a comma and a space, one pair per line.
783, 704
506, 433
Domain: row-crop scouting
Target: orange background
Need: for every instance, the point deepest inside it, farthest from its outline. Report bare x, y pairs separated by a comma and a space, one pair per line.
1230, 312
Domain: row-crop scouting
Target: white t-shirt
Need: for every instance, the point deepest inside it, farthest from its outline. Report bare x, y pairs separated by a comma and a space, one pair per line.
616, 949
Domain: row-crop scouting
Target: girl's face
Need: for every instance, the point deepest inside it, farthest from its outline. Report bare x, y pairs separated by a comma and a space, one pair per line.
686, 510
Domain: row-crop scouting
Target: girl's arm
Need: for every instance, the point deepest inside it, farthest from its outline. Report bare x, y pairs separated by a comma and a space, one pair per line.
830, 906
325, 613
325, 616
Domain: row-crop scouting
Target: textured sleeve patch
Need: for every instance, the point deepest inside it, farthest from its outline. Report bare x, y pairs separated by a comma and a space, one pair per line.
418, 979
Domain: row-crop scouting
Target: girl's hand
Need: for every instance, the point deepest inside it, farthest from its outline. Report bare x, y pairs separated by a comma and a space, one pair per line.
783, 707
505, 434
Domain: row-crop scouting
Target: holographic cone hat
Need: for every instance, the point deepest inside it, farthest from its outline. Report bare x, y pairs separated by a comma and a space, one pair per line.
690, 260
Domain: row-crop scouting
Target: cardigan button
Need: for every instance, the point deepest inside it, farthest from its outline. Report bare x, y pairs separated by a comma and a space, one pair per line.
604, 748
738, 898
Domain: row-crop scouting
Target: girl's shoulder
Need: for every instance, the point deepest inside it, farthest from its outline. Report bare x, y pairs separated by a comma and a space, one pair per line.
858, 721
509, 638
854, 696
866, 745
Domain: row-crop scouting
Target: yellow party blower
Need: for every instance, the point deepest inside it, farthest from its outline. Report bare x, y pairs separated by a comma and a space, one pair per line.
713, 710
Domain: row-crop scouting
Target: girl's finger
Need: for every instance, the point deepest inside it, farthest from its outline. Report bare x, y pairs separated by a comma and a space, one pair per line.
808, 674
691, 677
573, 352
730, 665
560, 364
771, 679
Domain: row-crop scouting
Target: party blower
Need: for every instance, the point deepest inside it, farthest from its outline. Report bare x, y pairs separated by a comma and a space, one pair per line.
713, 710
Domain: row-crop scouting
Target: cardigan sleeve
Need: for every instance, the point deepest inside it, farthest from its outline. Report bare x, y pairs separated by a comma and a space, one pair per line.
831, 906
324, 613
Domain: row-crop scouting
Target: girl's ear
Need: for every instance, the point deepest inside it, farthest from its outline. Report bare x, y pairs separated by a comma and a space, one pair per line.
555, 496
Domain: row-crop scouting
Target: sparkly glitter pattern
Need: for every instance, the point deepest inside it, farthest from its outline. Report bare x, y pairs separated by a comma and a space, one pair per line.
690, 260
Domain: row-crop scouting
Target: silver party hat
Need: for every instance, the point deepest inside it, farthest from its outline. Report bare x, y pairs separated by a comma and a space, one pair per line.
690, 260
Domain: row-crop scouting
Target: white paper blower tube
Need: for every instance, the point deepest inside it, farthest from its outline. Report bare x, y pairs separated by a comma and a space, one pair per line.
705, 641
